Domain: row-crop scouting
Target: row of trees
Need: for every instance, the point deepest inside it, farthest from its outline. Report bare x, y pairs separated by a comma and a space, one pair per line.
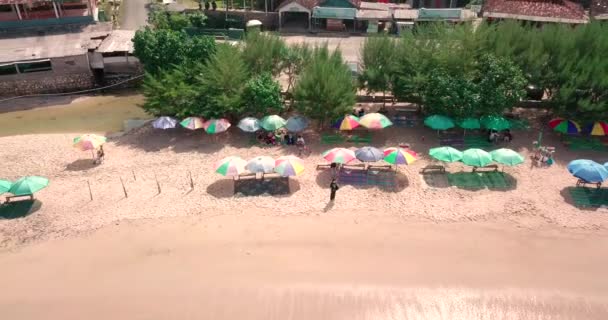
462, 70
195, 76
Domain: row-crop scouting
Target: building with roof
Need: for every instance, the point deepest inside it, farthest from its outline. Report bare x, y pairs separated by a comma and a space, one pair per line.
542, 11
40, 13
599, 9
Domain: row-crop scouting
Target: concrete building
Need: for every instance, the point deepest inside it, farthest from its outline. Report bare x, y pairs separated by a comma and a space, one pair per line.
38, 13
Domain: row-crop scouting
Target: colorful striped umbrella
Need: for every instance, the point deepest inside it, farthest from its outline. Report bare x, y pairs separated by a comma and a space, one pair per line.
445, 154
249, 124
230, 166
164, 123
437, 122
339, 155
261, 164
369, 154
476, 157
216, 125
296, 123
273, 122
375, 121
598, 128
28, 185
507, 157
349, 122
192, 123
288, 166
5, 185
399, 156
565, 126
89, 141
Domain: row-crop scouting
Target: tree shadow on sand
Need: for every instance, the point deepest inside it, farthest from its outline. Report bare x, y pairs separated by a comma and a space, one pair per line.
271, 186
19, 209
179, 140
81, 165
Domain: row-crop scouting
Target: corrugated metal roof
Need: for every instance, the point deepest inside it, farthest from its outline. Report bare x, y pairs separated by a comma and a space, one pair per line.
118, 41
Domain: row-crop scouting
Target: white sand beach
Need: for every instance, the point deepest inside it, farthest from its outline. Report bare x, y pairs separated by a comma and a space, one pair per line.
419, 252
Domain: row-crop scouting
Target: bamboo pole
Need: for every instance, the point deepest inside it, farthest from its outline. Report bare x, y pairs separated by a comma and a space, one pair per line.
157, 183
90, 192
191, 181
134, 177
124, 189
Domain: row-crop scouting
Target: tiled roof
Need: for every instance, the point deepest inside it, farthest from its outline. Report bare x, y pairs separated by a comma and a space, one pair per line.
545, 10
599, 8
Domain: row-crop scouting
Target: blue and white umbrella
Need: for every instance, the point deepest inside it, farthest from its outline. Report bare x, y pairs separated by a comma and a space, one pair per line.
261, 164
369, 154
165, 123
588, 170
249, 124
296, 123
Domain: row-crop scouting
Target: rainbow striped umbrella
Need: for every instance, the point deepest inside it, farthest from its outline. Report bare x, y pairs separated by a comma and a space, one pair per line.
565, 126
598, 128
192, 123
399, 156
89, 141
349, 122
261, 164
230, 166
375, 121
339, 155
216, 125
288, 166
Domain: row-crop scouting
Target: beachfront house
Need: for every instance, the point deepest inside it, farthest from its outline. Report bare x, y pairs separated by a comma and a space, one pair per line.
16, 14
539, 11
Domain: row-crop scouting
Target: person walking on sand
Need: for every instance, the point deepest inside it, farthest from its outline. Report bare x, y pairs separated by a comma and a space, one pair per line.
100, 155
334, 187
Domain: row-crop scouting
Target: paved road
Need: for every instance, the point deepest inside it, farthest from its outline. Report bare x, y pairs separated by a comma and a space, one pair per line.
134, 15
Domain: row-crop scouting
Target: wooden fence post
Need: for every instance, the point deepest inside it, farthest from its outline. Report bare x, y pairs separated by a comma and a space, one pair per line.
191, 181
90, 192
123, 188
157, 183
134, 177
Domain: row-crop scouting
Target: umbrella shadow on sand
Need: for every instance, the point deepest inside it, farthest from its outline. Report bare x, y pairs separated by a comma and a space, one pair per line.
81, 165
585, 198
276, 187
389, 181
19, 209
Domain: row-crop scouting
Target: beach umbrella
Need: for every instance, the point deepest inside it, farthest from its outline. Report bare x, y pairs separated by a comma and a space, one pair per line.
369, 154
588, 170
288, 166
260, 164
28, 185
230, 166
273, 122
349, 122
598, 128
446, 154
164, 123
249, 124
495, 123
565, 126
216, 125
438, 122
296, 123
469, 123
192, 123
507, 157
5, 185
399, 156
375, 121
476, 157
339, 155
89, 141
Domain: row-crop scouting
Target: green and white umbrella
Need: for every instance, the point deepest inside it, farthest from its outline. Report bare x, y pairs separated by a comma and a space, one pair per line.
273, 122
476, 157
216, 125
469, 123
446, 154
438, 122
28, 185
507, 157
5, 185
230, 166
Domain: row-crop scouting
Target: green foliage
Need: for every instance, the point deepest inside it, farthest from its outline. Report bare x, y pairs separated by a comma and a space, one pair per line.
161, 19
451, 95
325, 89
500, 85
264, 53
162, 49
262, 95
221, 83
170, 92
294, 61
378, 59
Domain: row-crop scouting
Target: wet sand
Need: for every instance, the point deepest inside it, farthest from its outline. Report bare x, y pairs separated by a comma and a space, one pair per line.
248, 266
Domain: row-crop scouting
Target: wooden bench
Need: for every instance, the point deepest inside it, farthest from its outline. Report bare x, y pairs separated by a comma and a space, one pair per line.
245, 176
11, 198
487, 168
583, 183
432, 169
379, 167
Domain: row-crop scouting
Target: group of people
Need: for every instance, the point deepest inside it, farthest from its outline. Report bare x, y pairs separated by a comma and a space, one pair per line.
495, 136
283, 137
